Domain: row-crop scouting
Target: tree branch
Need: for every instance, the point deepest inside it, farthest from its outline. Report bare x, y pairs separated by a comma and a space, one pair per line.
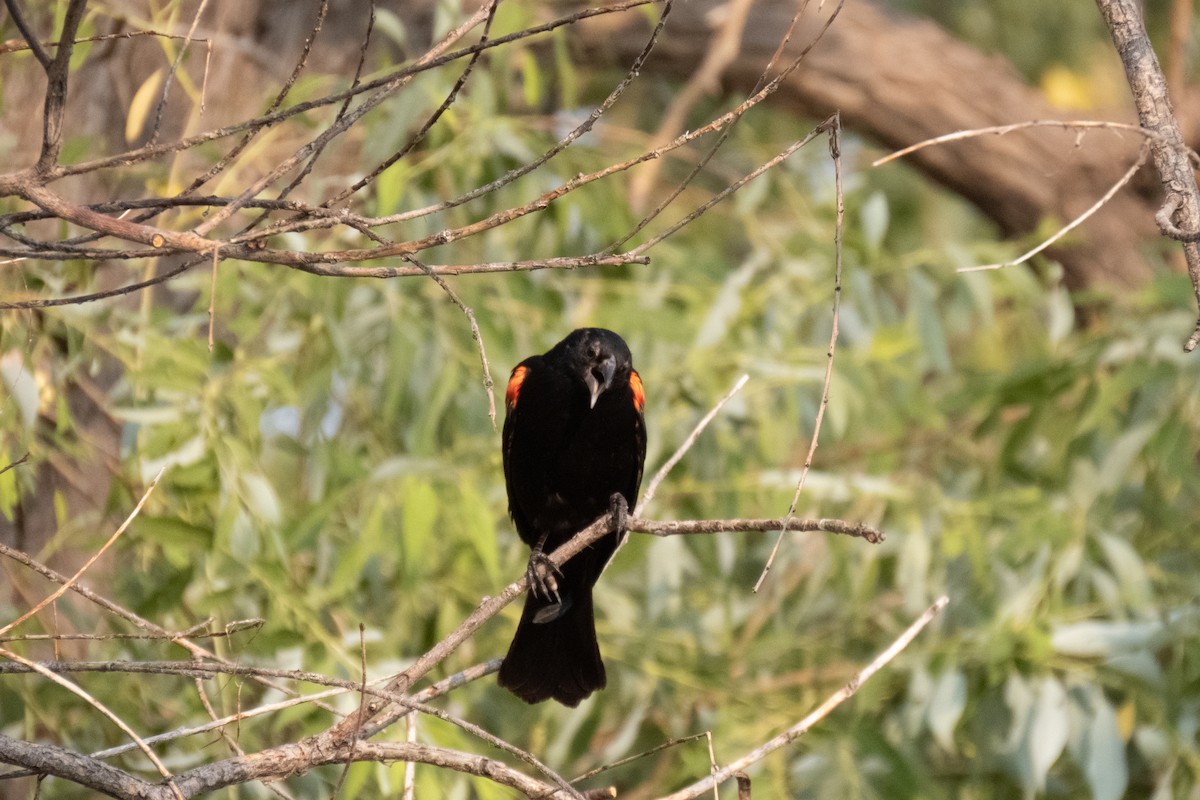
1150, 95
56, 90
802, 727
35, 45
48, 759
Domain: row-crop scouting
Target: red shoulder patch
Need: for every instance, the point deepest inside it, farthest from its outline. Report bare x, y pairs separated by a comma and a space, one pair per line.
639, 393
514, 387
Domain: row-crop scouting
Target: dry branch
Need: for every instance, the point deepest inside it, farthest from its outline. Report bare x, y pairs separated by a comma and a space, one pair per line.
348, 740
822, 711
1180, 218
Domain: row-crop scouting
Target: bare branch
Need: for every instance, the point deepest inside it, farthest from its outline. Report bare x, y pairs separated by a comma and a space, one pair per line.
670, 463
702, 526
60, 591
103, 709
833, 126
16, 463
705, 80
18, 18
1073, 224
1150, 95
436, 690
490, 606
56, 89
800, 728
48, 759
1080, 125
124, 613
236, 771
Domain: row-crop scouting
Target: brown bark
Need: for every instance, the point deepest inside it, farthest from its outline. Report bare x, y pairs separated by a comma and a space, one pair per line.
1180, 215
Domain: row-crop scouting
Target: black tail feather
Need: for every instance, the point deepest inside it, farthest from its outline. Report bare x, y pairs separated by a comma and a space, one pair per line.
559, 659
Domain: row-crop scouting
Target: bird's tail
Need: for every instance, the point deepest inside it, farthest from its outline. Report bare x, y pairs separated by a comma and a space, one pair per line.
558, 659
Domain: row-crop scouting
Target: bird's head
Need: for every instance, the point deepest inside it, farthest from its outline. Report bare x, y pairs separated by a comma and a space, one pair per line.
600, 358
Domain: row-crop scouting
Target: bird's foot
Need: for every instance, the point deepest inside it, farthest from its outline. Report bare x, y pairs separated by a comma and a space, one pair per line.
541, 573
618, 510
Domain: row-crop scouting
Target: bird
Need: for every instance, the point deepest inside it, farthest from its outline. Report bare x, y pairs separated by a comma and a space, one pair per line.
574, 444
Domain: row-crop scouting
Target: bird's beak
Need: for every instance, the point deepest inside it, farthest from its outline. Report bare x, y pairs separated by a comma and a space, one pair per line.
599, 378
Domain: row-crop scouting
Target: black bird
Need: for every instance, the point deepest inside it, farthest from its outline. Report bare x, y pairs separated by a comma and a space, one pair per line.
574, 444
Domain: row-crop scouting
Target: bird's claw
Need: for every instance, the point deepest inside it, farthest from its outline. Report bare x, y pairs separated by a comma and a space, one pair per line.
541, 574
618, 510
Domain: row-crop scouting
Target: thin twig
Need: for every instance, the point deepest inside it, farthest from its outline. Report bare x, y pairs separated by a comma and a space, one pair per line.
712, 763
726, 192
103, 709
16, 463
436, 690
834, 127
636, 756
705, 79
690, 527
1073, 224
421, 132
169, 81
124, 613
150, 152
822, 711
60, 591
1003, 130
476, 334
31, 39
362, 698
14, 46
190, 669
339, 126
410, 771
762, 88
581, 129
212, 296
670, 463
489, 268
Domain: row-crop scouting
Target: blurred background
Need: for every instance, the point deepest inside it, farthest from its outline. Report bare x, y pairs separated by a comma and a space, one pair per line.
1027, 437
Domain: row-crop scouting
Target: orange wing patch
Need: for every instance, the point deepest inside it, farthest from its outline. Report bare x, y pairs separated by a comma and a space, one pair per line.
514, 387
639, 393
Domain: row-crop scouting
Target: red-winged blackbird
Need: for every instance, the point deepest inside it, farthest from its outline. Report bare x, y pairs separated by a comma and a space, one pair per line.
574, 445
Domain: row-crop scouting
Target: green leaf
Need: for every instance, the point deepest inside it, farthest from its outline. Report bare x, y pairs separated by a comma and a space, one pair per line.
419, 515
21, 386
946, 706
1047, 731
1103, 639
1104, 760
874, 213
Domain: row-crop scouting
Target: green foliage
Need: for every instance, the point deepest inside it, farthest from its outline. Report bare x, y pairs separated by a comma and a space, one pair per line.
331, 462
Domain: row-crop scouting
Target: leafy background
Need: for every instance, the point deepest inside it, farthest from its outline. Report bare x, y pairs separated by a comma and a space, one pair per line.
331, 462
